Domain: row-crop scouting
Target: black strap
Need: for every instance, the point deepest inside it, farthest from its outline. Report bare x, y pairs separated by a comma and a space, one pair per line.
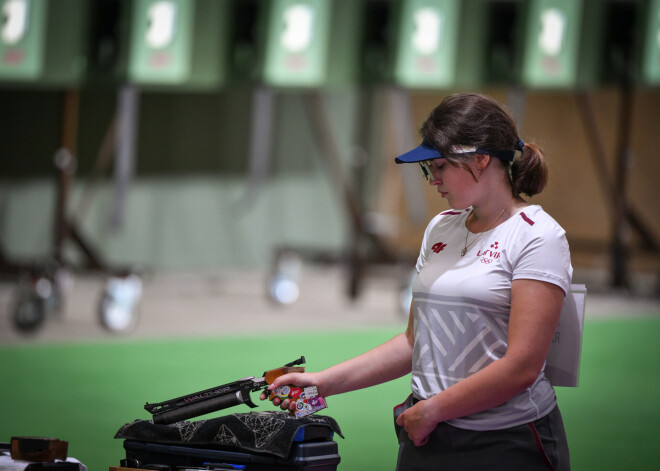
539, 444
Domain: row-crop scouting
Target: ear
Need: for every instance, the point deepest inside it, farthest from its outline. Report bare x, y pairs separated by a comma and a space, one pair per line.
481, 161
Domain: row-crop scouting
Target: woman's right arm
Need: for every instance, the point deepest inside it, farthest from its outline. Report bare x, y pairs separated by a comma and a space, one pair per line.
386, 362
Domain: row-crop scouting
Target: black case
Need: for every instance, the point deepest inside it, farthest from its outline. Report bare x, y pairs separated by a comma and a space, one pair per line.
309, 455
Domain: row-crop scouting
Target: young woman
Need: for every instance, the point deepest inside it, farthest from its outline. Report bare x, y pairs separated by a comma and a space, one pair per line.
492, 275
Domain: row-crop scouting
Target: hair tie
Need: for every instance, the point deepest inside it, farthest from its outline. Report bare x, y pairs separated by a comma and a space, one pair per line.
520, 145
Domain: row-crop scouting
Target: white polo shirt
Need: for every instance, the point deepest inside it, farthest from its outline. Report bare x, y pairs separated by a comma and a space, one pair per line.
462, 304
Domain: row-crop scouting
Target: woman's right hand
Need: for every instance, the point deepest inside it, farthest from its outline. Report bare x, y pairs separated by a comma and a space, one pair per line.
291, 379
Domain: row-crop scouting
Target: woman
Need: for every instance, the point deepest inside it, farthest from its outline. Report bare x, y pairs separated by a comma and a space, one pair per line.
492, 275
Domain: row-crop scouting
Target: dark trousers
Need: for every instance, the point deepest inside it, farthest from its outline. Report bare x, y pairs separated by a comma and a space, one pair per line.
540, 445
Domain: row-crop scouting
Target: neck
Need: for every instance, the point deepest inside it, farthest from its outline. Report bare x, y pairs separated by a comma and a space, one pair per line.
494, 201
491, 212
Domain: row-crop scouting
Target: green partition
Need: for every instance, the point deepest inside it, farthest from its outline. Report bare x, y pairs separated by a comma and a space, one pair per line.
651, 44
311, 43
427, 43
453, 43
179, 43
43, 41
563, 43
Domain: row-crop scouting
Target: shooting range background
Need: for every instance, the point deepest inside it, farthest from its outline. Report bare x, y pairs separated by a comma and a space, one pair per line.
204, 228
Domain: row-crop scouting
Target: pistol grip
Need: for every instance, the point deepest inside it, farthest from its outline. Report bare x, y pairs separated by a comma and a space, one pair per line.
270, 376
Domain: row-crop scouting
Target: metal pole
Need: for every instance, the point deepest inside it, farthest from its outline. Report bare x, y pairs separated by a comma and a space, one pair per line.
261, 140
126, 144
403, 131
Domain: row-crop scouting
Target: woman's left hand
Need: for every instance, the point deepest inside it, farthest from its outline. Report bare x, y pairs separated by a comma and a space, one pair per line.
418, 422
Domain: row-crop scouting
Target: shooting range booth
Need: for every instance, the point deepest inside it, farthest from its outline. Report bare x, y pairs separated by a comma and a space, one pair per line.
578, 45
44, 43
181, 44
56, 46
312, 51
650, 47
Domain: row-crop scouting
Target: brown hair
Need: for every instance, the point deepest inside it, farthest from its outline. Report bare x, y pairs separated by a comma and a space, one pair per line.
472, 119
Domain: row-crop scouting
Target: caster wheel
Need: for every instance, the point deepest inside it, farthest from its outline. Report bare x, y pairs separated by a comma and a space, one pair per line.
283, 290
36, 299
118, 307
283, 284
29, 313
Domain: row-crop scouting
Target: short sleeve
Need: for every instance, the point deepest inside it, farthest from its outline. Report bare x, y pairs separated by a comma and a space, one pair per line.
424, 250
546, 257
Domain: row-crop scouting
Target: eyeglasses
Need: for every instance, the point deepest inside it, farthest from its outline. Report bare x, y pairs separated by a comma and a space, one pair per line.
425, 165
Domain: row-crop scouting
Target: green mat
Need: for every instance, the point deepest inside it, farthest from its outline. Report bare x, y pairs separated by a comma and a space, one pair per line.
84, 392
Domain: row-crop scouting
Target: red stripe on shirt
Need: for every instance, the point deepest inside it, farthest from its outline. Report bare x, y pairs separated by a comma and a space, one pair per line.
453, 213
527, 220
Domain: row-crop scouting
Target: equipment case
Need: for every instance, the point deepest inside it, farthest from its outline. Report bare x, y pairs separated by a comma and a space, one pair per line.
255, 441
314, 456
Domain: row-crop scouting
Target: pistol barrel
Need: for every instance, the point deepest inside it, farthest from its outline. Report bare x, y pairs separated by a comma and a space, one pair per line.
203, 407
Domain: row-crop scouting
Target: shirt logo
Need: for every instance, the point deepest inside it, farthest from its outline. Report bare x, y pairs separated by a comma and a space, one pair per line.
489, 255
439, 247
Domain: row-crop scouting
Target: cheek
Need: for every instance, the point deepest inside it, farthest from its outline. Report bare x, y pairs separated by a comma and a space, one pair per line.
456, 177
464, 177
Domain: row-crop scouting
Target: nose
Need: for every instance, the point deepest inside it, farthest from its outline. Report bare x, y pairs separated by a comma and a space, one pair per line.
434, 179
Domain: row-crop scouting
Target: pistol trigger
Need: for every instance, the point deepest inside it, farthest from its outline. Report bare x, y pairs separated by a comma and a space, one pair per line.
248, 401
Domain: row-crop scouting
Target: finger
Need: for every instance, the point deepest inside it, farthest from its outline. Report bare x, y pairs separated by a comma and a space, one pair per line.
279, 381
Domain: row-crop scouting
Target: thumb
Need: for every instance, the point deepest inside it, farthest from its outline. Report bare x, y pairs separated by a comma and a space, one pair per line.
400, 420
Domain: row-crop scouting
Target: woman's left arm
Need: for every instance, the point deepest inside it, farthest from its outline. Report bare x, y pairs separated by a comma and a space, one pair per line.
535, 309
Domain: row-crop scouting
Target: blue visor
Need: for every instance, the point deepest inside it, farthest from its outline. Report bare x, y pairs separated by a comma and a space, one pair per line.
419, 154
426, 152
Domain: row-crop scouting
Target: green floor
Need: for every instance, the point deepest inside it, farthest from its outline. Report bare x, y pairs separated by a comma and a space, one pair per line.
84, 392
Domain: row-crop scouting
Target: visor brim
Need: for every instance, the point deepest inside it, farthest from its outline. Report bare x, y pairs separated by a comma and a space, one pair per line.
419, 154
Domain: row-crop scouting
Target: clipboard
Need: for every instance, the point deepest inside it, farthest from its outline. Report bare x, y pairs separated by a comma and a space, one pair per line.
562, 365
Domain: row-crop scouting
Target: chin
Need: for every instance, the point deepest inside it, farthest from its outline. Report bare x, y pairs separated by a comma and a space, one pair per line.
457, 205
